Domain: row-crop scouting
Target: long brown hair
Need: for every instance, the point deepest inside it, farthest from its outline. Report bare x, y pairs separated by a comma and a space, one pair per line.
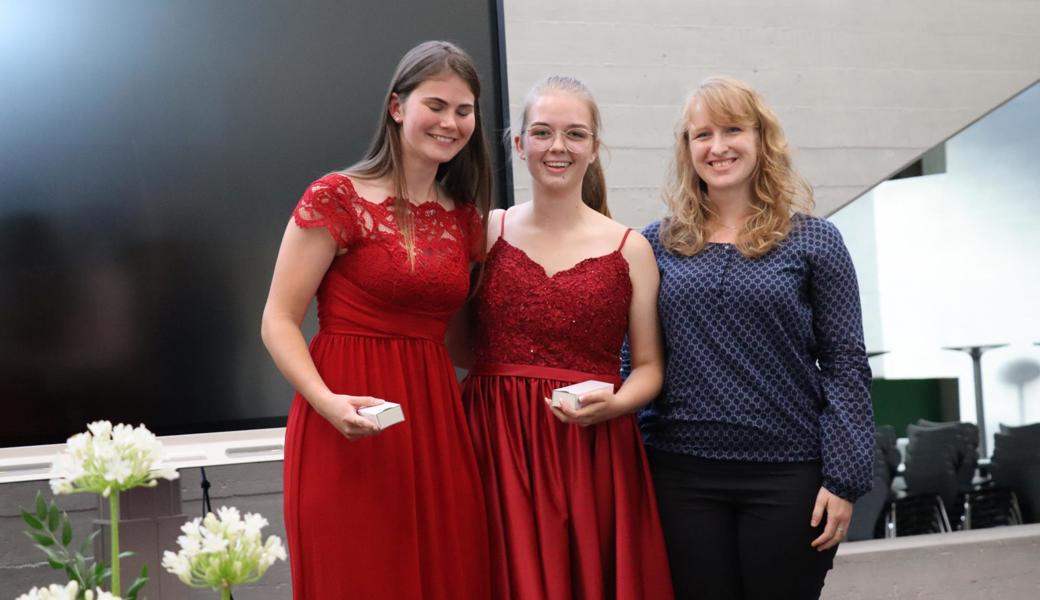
467, 176
777, 191
593, 184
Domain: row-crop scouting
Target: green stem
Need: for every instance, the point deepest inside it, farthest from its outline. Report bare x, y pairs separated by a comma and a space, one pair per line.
113, 519
225, 592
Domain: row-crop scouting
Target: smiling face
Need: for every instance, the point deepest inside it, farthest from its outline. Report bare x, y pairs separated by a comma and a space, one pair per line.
559, 140
724, 155
436, 119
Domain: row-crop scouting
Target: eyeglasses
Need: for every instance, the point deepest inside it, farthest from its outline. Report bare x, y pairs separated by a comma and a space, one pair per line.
574, 139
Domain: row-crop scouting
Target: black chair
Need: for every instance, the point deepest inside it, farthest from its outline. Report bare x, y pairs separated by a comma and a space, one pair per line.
1015, 466
968, 449
867, 512
916, 515
1031, 429
885, 437
934, 456
991, 506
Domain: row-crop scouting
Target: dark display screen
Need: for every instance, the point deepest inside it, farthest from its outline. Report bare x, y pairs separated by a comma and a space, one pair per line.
151, 153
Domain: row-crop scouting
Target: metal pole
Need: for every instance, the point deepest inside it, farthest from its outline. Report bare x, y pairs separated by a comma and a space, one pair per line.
980, 408
975, 352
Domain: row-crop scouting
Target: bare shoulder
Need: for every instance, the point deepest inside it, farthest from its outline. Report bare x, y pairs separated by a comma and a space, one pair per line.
637, 249
494, 226
606, 227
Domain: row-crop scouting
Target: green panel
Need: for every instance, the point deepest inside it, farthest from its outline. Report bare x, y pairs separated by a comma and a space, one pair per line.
899, 402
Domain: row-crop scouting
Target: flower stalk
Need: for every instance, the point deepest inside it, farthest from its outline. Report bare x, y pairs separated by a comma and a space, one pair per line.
113, 516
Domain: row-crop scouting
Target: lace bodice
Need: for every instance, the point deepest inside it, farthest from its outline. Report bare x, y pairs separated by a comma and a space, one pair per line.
446, 241
576, 319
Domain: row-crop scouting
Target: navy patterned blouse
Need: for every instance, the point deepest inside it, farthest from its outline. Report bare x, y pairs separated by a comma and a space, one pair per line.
765, 357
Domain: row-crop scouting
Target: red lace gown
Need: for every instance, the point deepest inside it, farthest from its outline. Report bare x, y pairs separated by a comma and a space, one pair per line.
572, 513
399, 515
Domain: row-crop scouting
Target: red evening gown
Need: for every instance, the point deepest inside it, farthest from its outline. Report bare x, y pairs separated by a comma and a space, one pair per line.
572, 513
399, 515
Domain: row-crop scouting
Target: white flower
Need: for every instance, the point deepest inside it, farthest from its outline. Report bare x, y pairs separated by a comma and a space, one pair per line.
108, 459
52, 592
68, 592
223, 550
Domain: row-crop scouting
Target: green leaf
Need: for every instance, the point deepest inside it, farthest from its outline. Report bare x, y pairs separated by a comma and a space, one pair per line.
31, 520
53, 518
73, 574
41, 538
142, 579
81, 568
88, 541
56, 565
41, 507
51, 553
66, 531
99, 573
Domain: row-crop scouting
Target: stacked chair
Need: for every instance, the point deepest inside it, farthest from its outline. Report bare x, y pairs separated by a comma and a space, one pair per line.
1015, 467
943, 489
866, 514
941, 463
936, 458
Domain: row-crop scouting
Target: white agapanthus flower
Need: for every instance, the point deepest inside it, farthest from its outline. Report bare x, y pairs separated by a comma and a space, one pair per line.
223, 550
67, 592
108, 459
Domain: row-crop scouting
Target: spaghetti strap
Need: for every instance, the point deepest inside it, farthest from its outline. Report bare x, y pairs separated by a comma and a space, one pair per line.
627, 231
502, 230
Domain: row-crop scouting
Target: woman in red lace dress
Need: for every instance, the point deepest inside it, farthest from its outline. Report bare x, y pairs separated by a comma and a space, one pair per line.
391, 514
570, 500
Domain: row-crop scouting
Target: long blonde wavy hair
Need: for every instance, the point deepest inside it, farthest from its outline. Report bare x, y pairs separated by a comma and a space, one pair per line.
777, 190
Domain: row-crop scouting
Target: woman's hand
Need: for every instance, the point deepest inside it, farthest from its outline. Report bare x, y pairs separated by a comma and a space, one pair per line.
596, 406
342, 411
839, 513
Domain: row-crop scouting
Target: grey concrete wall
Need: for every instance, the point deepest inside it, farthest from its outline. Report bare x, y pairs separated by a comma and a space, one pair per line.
253, 488
862, 88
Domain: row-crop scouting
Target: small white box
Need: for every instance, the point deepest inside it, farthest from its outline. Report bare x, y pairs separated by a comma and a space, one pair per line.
571, 394
383, 415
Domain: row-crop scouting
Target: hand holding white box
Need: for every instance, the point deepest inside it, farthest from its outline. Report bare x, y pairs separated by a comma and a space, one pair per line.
571, 394
384, 415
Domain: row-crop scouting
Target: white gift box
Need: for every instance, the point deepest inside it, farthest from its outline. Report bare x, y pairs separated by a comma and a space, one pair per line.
383, 415
571, 394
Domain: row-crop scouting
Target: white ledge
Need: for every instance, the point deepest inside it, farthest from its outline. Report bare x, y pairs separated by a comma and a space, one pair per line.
33, 463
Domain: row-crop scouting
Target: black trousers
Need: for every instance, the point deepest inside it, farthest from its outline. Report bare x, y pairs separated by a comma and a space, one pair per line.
740, 530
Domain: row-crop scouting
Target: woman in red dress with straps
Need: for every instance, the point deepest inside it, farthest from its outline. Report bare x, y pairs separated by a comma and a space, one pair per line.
391, 514
571, 507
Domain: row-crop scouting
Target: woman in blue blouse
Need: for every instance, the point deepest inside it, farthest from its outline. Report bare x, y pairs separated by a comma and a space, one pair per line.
762, 437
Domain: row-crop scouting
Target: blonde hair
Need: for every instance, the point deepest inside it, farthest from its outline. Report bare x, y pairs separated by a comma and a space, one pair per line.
777, 189
467, 176
593, 184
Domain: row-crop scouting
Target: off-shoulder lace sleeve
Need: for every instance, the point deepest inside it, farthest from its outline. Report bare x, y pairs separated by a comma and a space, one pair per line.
329, 203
